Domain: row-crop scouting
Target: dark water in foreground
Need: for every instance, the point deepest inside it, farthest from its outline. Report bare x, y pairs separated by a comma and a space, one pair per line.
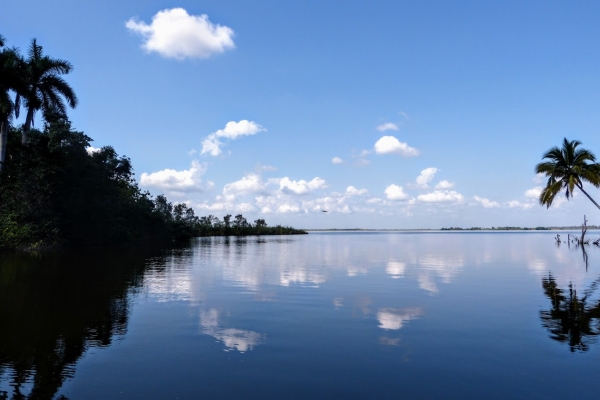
325, 315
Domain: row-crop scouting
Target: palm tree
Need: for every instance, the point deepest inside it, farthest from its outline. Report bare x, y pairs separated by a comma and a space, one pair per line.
10, 80
568, 168
45, 89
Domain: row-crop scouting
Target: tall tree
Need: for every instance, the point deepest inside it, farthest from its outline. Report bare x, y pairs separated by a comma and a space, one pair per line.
10, 80
566, 168
45, 90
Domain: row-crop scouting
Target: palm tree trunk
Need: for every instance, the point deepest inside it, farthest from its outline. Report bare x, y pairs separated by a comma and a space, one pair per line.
588, 196
3, 139
27, 126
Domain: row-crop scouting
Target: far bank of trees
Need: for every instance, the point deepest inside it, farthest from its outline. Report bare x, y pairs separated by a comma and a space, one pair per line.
54, 193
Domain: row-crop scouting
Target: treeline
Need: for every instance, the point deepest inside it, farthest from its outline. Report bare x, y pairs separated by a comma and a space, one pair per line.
54, 193
517, 228
239, 226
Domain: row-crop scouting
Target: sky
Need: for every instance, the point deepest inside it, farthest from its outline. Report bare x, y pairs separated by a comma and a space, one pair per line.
385, 114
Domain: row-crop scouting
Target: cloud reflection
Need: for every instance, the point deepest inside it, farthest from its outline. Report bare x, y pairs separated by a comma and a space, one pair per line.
233, 339
394, 319
395, 269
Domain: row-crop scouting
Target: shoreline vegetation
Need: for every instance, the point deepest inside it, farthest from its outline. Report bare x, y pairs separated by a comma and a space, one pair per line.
56, 191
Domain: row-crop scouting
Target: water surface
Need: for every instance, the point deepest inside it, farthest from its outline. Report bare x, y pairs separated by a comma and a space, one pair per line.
324, 315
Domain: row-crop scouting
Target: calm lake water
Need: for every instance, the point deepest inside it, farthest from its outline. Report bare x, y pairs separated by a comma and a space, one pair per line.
324, 315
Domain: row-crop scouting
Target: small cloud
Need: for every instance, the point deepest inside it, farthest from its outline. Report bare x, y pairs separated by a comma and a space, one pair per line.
441, 196
251, 183
212, 144
444, 185
91, 150
352, 191
192, 152
301, 187
539, 178
405, 115
395, 192
265, 168
391, 145
337, 160
425, 177
389, 126
189, 180
173, 33
486, 203
518, 204
288, 208
533, 193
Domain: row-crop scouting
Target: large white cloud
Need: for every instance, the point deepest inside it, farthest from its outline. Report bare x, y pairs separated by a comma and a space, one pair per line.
233, 130
391, 145
441, 196
425, 177
286, 185
486, 203
395, 192
189, 180
174, 33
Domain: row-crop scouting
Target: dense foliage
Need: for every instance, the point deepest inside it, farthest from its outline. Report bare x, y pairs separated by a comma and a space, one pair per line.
52, 193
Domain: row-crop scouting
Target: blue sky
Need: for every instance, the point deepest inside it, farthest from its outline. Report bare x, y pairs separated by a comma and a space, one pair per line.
465, 95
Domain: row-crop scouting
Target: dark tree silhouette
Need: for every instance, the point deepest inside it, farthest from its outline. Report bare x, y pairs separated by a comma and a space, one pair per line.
572, 319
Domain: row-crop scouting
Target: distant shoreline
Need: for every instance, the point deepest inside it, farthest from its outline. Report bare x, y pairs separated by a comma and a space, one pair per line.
493, 229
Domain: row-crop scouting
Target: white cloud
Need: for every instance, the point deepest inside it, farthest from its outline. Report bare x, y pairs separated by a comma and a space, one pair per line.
486, 203
425, 177
189, 180
518, 204
91, 150
539, 178
265, 168
232, 131
391, 145
288, 208
389, 126
352, 191
286, 185
337, 160
444, 185
173, 33
533, 193
395, 192
251, 183
441, 196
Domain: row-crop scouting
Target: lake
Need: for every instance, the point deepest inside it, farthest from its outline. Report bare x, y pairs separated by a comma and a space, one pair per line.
325, 315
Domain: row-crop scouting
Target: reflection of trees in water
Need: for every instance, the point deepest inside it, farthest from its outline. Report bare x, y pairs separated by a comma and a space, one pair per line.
53, 308
572, 319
